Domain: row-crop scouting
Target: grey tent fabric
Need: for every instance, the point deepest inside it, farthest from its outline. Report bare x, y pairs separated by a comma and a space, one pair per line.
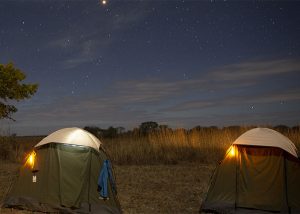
72, 136
293, 184
261, 179
222, 195
266, 137
66, 181
256, 179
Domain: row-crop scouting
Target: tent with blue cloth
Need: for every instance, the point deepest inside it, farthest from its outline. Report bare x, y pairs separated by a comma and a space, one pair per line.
68, 172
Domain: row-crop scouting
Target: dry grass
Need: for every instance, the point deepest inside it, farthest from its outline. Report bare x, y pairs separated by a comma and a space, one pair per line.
146, 189
206, 145
14, 148
8, 172
167, 146
163, 188
294, 136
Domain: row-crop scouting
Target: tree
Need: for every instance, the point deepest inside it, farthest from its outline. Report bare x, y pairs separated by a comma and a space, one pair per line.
13, 89
164, 128
120, 130
282, 128
94, 130
147, 127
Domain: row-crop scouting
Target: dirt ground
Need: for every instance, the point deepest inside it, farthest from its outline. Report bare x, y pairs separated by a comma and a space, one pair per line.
176, 188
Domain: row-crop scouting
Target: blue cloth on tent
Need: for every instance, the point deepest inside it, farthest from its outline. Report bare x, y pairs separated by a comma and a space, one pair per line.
105, 176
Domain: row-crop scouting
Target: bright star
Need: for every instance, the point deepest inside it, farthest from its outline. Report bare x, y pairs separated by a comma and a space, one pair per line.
104, 2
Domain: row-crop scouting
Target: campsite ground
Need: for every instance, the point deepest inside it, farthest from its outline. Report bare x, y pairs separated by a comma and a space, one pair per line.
176, 188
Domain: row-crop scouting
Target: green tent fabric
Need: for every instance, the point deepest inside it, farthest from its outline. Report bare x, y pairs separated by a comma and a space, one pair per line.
255, 179
64, 179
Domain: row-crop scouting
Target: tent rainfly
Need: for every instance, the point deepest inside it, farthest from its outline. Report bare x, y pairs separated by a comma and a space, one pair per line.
260, 173
67, 173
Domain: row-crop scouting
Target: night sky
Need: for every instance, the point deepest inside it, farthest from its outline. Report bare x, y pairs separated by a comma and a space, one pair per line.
180, 63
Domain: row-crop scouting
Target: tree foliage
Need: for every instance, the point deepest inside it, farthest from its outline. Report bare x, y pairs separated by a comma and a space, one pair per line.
149, 126
110, 132
12, 88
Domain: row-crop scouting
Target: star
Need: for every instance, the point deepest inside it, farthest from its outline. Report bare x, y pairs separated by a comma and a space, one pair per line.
124, 49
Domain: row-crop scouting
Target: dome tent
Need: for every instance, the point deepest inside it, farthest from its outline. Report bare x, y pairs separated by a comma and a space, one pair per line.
64, 177
260, 173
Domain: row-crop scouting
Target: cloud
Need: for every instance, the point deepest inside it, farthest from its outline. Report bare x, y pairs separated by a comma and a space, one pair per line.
244, 76
206, 91
235, 76
124, 19
150, 90
207, 99
279, 97
256, 70
74, 62
88, 39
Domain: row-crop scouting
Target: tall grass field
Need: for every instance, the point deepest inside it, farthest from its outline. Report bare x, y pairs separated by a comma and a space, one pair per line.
164, 146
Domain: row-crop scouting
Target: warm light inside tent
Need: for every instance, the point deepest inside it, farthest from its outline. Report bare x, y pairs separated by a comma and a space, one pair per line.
30, 159
232, 151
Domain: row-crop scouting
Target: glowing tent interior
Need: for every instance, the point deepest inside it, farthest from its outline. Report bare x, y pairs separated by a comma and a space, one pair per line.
260, 173
62, 175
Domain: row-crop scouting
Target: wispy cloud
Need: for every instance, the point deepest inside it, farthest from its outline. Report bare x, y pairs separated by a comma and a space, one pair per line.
74, 62
195, 93
281, 97
128, 103
256, 70
124, 19
81, 44
230, 77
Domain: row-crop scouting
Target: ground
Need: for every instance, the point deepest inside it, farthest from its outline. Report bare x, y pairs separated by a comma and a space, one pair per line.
176, 188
